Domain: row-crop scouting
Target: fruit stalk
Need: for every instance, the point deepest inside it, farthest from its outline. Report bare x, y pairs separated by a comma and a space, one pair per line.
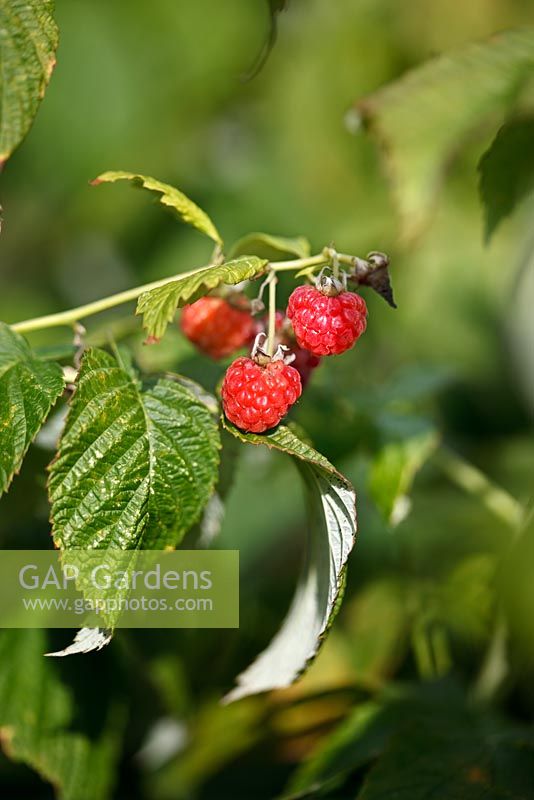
272, 314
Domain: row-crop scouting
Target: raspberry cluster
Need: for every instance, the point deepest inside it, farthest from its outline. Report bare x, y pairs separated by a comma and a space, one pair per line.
257, 392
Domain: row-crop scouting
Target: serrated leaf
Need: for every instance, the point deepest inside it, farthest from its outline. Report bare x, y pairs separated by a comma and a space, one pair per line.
394, 469
159, 305
70, 738
28, 43
422, 119
135, 467
507, 172
177, 201
273, 248
29, 388
86, 640
331, 504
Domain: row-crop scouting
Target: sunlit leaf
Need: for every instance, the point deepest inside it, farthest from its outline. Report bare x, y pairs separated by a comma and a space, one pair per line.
423, 118
135, 466
177, 201
29, 388
86, 640
28, 43
159, 305
330, 501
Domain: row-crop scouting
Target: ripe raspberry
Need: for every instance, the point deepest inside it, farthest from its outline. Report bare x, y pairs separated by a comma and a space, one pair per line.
256, 397
326, 325
216, 327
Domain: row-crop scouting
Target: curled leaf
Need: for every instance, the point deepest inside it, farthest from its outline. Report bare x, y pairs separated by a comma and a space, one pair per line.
177, 201
331, 504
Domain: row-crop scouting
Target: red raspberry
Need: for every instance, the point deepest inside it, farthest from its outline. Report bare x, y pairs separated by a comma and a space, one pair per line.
216, 327
256, 397
326, 325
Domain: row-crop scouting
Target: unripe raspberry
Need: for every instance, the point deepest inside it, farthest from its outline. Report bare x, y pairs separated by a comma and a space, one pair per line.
216, 327
256, 397
324, 324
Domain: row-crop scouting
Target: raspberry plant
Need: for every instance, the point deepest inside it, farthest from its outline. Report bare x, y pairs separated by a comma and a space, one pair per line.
138, 460
145, 458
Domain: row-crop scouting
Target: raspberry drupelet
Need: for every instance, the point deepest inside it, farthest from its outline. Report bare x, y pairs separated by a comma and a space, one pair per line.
216, 327
326, 323
257, 396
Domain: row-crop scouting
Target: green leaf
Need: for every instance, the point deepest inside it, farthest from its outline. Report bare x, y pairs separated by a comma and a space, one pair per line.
365, 733
423, 118
355, 742
70, 737
159, 305
28, 43
393, 471
29, 388
135, 466
468, 756
507, 172
177, 201
330, 501
273, 248
423, 762
212, 519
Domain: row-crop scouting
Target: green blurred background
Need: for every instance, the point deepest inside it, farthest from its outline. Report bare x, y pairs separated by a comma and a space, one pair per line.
158, 88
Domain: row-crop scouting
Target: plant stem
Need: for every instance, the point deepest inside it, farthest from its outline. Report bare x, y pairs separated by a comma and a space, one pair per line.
272, 314
74, 315
299, 263
472, 480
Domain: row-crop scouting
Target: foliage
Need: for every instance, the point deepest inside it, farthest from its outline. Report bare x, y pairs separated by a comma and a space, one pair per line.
158, 306
331, 503
71, 741
28, 389
423, 684
28, 43
143, 462
478, 82
507, 171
